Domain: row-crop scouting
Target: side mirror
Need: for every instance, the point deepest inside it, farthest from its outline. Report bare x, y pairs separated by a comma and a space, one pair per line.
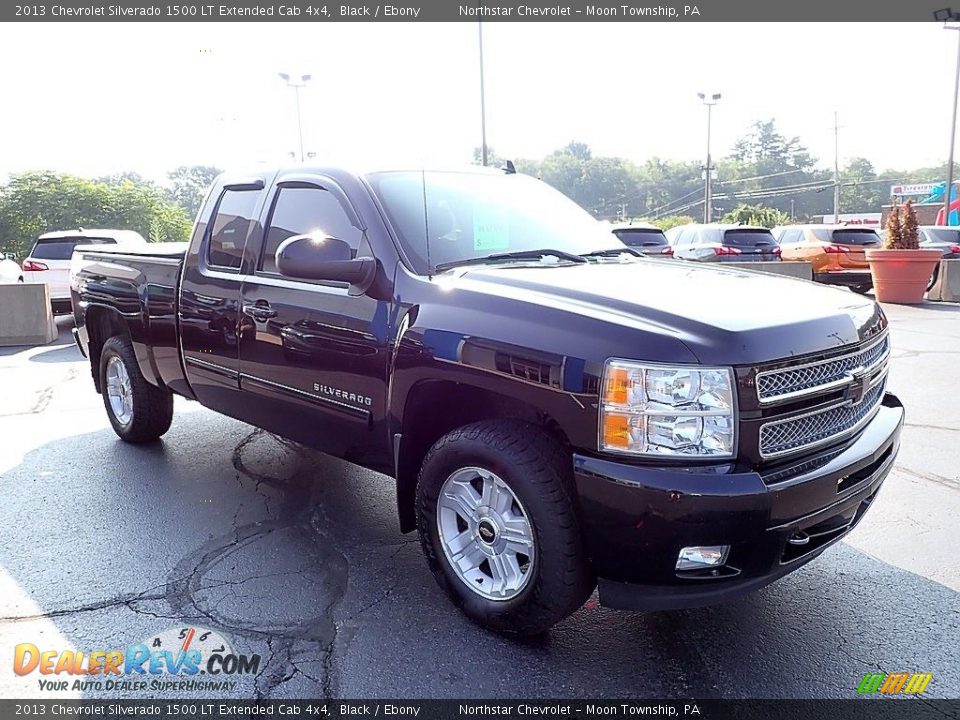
319, 257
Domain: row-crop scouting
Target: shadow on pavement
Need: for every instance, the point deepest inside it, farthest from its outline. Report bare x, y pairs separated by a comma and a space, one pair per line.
297, 556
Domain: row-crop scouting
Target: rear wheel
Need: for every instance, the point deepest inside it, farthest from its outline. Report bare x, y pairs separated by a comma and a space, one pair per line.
138, 411
498, 525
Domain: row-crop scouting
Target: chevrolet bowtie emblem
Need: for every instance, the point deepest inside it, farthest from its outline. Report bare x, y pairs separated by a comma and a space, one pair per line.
860, 383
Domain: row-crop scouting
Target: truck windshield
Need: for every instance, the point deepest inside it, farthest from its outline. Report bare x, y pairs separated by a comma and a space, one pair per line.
445, 218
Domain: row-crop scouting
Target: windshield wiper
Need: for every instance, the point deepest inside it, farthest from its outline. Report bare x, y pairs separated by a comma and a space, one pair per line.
612, 252
515, 255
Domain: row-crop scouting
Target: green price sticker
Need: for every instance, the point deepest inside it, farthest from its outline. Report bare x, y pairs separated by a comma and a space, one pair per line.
491, 228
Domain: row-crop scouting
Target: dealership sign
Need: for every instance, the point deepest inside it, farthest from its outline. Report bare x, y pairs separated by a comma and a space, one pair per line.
913, 189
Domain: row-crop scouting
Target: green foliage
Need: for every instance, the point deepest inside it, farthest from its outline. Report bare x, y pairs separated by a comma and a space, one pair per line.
756, 215
665, 223
37, 202
189, 185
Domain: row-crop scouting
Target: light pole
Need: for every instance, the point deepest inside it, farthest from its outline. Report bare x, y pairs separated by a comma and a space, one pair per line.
708, 190
483, 104
296, 85
950, 19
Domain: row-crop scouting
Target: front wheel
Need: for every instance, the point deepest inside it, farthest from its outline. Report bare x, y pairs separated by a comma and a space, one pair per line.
138, 411
498, 525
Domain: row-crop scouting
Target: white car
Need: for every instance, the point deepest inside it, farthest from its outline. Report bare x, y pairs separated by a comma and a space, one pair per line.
49, 260
10, 271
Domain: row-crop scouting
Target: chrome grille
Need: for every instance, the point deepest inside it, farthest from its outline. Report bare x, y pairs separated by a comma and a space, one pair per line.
782, 437
796, 381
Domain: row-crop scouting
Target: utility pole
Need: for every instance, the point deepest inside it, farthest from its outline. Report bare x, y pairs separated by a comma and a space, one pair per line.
836, 167
483, 104
948, 191
708, 174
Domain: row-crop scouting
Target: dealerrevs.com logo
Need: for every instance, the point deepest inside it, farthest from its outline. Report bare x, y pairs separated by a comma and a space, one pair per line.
186, 659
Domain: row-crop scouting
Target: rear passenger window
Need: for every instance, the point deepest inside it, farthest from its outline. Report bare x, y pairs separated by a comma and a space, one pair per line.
307, 211
230, 227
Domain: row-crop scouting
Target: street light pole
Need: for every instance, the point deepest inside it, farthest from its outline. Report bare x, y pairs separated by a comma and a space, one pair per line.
296, 85
483, 104
836, 167
708, 190
953, 131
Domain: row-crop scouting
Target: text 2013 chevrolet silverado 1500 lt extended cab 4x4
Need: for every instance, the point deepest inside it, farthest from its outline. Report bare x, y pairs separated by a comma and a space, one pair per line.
557, 411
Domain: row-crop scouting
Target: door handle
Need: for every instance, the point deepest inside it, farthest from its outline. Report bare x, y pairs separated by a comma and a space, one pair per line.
259, 311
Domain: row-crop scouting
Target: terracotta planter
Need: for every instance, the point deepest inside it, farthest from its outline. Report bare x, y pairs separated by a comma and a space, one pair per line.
901, 276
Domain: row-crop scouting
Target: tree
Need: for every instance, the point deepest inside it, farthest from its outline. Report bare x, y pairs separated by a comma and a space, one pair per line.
579, 150
670, 221
38, 202
189, 185
564, 172
756, 215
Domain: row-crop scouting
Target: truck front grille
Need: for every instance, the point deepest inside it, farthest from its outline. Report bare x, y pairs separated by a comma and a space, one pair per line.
819, 427
794, 382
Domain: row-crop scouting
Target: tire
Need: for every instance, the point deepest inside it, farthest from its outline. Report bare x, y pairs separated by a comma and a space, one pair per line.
933, 277
862, 289
556, 578
150, 408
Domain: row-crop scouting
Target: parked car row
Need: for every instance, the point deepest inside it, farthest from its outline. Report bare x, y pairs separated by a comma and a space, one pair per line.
835, 252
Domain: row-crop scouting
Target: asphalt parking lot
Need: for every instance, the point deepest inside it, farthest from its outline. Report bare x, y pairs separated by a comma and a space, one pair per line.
297, 557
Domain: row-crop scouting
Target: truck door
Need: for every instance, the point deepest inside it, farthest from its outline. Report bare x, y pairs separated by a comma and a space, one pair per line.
210, 296
313, 359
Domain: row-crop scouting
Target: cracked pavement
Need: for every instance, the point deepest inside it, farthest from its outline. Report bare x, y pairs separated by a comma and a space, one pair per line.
297, 557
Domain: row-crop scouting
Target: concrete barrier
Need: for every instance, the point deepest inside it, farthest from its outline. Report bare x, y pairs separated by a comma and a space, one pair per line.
947, 286
25, 315
790, 268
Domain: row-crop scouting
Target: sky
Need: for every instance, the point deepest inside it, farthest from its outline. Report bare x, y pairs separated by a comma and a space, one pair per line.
94, 99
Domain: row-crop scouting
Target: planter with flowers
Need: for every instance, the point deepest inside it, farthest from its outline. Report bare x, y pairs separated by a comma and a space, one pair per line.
900, 269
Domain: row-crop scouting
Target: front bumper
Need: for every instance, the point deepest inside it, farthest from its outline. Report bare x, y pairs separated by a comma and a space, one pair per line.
637, 518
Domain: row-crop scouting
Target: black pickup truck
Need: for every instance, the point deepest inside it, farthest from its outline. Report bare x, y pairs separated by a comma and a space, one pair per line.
557, 411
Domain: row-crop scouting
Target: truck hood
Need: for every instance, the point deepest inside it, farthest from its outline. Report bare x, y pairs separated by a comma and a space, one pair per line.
725, 316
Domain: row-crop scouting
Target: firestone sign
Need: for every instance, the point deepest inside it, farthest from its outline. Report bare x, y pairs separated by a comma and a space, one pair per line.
914, 189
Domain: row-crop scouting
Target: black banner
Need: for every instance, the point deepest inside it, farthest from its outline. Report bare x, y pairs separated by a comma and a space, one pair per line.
917, 708
465, 10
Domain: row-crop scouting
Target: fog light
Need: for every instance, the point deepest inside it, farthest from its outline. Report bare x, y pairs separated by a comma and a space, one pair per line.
698, 558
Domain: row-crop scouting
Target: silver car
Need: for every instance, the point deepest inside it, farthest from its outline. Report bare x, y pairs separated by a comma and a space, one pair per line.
723, 243
944, 238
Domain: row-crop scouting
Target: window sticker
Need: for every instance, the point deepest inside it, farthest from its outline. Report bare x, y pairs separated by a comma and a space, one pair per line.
491, 228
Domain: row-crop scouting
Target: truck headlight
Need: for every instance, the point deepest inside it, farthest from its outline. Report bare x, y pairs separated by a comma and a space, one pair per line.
667, 410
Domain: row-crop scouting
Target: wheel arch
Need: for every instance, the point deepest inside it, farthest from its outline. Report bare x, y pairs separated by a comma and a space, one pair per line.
102, 323
423, 425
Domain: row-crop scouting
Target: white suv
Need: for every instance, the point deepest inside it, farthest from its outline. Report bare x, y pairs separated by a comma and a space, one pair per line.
49, 260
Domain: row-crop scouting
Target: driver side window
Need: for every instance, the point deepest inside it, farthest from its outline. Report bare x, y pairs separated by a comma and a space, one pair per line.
306, 210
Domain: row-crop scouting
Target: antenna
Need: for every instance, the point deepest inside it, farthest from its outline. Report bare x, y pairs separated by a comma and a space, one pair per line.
509, 168
426, 222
